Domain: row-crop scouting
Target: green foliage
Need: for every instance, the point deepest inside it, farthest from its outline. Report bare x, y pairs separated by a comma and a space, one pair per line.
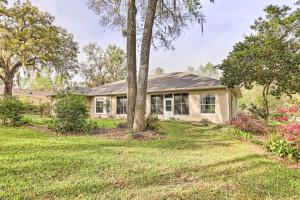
29, 41
71, 113
241, 133
269, 57
278, 145
11, 111
152, 122
44, 109
30, 120
257, 110
159, 71
209, 70
103, 67
89, 126
245, 135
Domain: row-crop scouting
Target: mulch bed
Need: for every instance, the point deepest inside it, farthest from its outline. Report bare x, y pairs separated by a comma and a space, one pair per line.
123, 133
113, 133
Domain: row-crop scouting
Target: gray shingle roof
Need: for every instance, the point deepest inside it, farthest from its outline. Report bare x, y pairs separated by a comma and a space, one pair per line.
167, 82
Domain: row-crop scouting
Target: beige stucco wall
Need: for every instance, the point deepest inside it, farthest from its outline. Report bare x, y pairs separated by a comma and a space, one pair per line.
91, 102
222, 114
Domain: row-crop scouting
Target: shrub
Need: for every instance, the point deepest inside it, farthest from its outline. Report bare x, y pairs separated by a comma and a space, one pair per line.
44, 109
152, 122
279, 145
291, 132
71, 114
285, 114
256, 110
89, 126
250, 124
11, 110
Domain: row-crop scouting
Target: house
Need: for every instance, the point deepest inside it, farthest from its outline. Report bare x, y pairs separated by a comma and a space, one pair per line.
31, 96
180, 95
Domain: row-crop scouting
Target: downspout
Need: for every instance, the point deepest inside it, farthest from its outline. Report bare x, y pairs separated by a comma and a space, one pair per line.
228, 104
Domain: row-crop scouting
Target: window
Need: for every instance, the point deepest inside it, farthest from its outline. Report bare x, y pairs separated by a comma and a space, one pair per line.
157, 104
181, 104
208, 103
102, 105
122, 105
99, 105
168, 105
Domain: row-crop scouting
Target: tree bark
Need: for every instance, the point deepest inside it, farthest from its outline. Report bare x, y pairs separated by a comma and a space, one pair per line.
266, 103
140, 107
131, 62
8, 84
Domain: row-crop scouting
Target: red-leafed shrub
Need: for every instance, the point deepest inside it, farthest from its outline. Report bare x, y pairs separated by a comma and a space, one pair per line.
250, 124
291, 132
284, 114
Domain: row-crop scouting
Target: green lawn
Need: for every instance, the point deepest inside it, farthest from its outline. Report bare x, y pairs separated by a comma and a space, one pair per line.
108, 123
191, 163
103, 123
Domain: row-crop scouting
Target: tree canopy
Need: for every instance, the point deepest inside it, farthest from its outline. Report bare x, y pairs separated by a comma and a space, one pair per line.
29, 41
269, 57
102, 67
208, 70
159, 71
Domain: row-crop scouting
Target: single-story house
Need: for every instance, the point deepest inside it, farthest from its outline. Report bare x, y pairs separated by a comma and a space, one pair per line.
180, 95
34, 97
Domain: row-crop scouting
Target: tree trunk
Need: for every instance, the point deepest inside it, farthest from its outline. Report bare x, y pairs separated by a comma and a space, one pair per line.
131, 62
266, 104
8, 84
140, 107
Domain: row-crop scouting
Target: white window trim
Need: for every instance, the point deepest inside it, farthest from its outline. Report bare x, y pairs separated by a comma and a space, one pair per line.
103, 99
203, 95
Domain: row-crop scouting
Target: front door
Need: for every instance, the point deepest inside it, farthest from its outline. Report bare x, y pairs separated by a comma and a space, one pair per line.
168, 108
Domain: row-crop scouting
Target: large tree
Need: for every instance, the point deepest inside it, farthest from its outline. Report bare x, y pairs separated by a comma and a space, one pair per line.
29, 41
159, 22
269, 57
102, 67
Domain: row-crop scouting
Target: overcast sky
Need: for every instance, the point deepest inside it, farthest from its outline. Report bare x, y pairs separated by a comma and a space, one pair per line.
226, 23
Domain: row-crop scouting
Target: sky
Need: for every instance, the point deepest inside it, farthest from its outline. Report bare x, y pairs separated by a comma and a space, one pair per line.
226, 23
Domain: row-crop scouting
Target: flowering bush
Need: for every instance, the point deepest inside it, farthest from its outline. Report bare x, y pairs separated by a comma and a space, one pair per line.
291, 132
284, 114
249, 123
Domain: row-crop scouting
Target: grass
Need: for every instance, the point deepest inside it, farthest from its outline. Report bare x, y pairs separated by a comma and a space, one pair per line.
108, 123
103, 123
191, 163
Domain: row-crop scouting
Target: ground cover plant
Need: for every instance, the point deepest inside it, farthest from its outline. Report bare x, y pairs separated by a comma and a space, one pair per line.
190, 162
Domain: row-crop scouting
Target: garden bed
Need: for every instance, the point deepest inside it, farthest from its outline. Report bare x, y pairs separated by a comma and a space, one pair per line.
110, 133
